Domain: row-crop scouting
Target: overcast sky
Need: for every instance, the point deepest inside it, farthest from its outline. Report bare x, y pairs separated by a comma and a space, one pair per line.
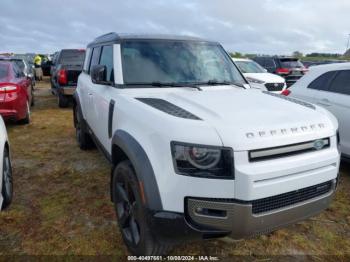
253, 26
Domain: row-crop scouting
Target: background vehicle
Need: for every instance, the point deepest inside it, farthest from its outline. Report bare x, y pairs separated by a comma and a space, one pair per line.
16, 93
258, 77
194, 153
289, 68
6, 181
23, 65
66, 68
329, 86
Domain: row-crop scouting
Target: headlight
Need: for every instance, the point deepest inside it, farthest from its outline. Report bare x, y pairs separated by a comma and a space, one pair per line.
202, 161
255, 81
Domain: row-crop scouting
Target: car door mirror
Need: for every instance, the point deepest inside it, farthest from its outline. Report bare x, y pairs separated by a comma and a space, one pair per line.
99, 75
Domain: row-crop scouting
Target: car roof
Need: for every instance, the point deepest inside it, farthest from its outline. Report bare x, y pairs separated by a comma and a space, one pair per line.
117, 38
241, 59
10, 58
330, 67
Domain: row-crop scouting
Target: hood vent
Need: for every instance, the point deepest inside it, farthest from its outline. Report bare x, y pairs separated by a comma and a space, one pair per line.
296, 101
168, 108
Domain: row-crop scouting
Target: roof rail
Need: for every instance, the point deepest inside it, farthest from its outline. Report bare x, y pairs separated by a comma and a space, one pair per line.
107, 37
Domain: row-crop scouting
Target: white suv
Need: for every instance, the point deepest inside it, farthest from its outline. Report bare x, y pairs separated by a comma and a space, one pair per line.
329, 87
259, 78
194, 153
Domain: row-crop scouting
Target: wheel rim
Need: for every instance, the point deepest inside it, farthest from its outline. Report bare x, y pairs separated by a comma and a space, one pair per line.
7, 173
127, 212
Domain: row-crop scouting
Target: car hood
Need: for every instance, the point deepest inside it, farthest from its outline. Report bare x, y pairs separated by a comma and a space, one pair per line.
248, 119
266, 77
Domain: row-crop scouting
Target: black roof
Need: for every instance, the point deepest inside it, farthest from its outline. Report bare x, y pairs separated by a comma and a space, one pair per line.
117, 38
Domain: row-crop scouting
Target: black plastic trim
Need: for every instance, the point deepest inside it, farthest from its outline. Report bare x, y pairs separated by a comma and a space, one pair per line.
142, 165
110, 117
168, 108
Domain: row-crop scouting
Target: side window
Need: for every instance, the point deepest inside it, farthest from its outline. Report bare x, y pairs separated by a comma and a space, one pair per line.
107, 60
87, 60
322, 82
95, 58
341, 83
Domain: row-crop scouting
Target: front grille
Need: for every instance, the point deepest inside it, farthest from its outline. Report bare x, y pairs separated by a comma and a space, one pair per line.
289, 150
290, 198
274, 86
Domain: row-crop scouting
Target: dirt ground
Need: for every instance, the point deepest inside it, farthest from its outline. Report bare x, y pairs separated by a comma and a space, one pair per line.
62, 207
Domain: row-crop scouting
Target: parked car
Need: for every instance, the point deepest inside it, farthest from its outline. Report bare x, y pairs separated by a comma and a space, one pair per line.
194, 153
6, 181
329, 86
289, 68
65, 70
23, 65
258, 77
16, 93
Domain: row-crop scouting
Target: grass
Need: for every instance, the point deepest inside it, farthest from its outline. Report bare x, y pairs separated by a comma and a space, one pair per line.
62, 205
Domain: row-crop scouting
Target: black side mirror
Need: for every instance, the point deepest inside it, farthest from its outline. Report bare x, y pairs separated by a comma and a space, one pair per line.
99, 75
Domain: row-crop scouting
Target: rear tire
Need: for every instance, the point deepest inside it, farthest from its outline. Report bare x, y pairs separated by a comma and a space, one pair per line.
131, 213
26, 120
83, 138
63, 101
33, 100
7, 181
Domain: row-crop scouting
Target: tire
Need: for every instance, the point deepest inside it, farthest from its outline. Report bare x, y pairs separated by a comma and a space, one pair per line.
7, 183
63, 101
131, 213
26, 120
83, 138
33, 99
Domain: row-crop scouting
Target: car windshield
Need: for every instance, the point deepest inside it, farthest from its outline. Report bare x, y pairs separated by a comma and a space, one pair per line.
249, 67
291, 63
177, 62
72, 57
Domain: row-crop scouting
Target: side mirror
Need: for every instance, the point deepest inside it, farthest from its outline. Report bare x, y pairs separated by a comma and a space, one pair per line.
99, 75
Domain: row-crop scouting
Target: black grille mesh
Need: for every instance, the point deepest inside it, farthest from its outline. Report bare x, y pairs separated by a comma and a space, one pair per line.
168, 108
274, 86
290, 198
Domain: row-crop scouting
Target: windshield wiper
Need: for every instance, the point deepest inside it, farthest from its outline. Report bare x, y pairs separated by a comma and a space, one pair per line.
217, 83
163, 84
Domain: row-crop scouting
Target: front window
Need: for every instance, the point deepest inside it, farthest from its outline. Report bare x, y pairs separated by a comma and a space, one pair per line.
249, 67
178, 62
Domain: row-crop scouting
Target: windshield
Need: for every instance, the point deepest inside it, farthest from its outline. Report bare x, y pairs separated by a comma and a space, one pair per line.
177, 62
72, 57
291, 63
250, 67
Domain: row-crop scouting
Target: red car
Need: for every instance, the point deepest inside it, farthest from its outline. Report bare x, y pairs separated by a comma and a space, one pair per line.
16, 94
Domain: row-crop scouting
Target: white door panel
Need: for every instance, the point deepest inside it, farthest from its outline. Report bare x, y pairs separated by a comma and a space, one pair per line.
339, 105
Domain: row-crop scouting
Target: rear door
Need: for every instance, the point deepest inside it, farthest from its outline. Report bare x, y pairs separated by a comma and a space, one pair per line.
337, 101
316, 90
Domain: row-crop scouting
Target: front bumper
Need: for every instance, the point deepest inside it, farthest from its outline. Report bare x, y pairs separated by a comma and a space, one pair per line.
239, 219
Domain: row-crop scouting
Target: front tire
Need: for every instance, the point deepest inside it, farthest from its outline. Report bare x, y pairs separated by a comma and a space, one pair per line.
131, 214
7, 181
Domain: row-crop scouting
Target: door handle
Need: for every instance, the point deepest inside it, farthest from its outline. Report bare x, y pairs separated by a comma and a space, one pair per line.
90, 94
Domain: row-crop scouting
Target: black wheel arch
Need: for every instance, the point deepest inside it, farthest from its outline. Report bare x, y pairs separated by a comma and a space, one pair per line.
125, 146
